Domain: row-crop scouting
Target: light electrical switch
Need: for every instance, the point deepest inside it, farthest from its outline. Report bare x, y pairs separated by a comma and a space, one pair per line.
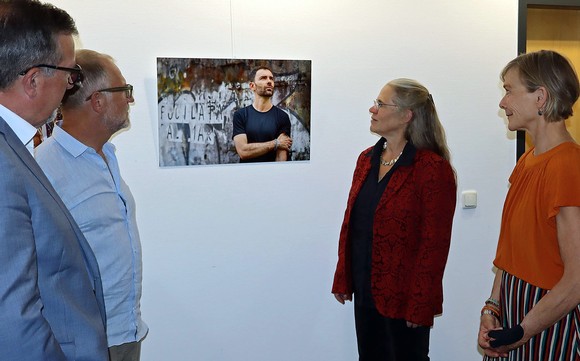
469, 199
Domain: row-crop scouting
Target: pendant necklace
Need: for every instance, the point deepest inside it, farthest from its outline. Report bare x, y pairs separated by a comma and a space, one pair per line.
392, 161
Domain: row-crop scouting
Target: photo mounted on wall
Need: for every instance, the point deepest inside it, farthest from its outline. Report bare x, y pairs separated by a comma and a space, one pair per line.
225, 111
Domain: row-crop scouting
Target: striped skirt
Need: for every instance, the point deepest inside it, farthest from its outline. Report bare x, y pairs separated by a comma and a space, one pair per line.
558, 343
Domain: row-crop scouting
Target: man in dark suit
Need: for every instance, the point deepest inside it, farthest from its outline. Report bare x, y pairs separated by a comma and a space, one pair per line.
51, 305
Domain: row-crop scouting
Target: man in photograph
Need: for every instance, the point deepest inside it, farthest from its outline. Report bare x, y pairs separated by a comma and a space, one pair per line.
262, 130
51, 301
80, 162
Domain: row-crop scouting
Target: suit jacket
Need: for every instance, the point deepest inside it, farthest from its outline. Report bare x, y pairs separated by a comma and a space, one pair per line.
411, 238
51, 304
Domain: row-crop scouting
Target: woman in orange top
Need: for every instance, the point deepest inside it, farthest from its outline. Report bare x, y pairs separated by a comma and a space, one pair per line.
533, 312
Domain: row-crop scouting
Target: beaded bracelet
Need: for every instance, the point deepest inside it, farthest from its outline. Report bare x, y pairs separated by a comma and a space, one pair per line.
492, 301
490, 310
492, 305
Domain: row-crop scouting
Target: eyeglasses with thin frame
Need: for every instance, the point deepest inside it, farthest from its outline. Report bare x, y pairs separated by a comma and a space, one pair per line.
75, 77
128, 89
378, 104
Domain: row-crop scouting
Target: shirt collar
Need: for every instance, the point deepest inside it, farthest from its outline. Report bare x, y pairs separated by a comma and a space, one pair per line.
23, 130
73, 146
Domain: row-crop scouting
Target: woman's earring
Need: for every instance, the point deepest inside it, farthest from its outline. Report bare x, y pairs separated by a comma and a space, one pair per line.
540, 112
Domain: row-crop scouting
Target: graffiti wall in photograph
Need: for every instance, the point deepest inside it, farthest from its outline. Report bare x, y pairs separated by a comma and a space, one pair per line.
197, 99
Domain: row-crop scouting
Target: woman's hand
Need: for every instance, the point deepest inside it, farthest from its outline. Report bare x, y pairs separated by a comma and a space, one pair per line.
342, 297
486, 324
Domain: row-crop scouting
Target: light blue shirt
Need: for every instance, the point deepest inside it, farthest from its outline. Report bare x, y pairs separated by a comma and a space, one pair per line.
104, 209
23, 130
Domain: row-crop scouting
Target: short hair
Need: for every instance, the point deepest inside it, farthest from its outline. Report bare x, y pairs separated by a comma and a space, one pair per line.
28, 36
254, 71
551, 70
95, 77
425, 130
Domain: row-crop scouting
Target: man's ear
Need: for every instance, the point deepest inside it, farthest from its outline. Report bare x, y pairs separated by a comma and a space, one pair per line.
252, 85
31, 81
98, 102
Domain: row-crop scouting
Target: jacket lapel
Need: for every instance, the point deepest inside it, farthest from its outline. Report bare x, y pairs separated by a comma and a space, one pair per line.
397, 181
29, 161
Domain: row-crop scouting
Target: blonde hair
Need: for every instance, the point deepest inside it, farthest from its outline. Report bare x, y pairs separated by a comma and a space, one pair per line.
548, 69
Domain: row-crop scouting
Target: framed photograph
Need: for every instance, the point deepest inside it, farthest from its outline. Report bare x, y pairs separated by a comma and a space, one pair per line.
198, 99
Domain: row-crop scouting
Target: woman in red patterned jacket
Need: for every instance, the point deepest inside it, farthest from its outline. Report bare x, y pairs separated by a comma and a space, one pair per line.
396, 232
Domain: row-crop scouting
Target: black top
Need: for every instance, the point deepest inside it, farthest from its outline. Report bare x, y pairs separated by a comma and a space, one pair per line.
261, 127
362, 219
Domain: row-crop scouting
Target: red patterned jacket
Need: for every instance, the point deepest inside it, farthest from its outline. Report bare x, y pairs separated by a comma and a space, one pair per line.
411, 237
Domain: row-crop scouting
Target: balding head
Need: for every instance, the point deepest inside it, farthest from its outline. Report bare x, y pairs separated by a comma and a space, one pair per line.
95, 69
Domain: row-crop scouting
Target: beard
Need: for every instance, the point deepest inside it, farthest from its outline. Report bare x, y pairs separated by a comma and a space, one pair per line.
115, 123
266, 93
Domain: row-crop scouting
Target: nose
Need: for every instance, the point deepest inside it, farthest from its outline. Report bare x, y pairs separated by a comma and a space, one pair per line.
373, 109
502, 103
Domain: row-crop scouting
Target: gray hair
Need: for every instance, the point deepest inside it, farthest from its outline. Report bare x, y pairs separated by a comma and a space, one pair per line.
96, 77
28, 36
425, 130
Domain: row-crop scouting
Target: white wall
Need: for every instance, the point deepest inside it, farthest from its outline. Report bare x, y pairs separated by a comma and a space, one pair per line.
239, 260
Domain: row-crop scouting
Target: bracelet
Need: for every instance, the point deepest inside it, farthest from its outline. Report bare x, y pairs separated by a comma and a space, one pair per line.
492, 307
490, 310
276, 143
492, 301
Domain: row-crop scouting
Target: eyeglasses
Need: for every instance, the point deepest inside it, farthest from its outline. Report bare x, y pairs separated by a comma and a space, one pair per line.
128, 89
75, 77
378, 104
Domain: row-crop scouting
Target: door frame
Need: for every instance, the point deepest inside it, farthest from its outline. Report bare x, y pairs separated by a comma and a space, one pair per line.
524, 5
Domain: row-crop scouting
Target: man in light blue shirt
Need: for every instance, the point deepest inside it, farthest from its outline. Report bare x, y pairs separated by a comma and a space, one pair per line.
81, 164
